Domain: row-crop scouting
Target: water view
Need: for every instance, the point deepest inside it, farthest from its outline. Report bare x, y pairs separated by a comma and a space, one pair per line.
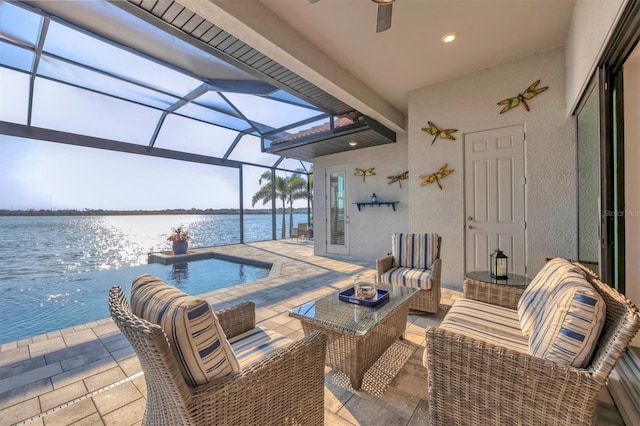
56, 270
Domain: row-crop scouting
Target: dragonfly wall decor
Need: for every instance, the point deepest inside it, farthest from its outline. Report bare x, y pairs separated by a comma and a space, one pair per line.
365, 172
528, 94
435, 131
399, 178
435, 177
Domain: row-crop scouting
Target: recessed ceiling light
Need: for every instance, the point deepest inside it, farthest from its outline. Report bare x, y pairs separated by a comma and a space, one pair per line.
448, 37
353, 143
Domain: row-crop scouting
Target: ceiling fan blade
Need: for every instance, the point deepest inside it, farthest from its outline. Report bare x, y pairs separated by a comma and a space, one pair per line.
383, 21
314, 1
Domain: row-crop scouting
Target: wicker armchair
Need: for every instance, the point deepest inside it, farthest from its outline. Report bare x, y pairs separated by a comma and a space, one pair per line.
472, 382
426, 300
284, 388
302, 231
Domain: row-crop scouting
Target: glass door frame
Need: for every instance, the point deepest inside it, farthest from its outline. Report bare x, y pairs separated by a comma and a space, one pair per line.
610, 79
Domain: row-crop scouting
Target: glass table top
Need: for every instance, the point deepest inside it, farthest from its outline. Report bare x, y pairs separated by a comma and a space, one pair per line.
356, 319
484, 276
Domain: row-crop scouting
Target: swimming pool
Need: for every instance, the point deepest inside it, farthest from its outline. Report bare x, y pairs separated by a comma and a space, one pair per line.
47, 304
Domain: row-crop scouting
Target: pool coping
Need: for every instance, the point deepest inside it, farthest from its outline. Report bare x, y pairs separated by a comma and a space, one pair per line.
203, 253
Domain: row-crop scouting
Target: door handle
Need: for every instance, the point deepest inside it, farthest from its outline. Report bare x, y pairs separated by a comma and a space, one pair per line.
468, 226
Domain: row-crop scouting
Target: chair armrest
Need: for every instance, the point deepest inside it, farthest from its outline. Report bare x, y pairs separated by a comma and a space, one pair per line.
237, 319
470, 380
383, 264
503, 295
288, 383
436, 272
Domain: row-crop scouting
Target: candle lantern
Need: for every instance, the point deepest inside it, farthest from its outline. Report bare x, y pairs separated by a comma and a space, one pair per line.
498, 265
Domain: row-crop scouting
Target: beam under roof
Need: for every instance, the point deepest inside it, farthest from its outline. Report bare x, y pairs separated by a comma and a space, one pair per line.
49, 135
256, 25
57, 136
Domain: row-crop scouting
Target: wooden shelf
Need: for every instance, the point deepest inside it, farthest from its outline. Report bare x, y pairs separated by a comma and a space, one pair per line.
377, 203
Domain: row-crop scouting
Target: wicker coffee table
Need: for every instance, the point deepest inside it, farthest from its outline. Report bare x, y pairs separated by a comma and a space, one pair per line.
358, 335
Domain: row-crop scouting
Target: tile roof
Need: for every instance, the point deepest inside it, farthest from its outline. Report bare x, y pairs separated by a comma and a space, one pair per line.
325, 127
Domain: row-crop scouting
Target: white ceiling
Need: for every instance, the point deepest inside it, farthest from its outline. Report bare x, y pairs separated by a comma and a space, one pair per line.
410, 55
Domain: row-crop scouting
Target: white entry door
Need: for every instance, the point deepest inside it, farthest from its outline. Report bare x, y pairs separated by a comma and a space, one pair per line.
337, 212
494, 197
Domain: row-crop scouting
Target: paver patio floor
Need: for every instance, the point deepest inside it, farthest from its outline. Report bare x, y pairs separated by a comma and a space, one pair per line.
90, 375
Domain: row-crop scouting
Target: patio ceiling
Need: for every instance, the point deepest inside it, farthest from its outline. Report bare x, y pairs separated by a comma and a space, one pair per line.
410, 55
185, 85
281, 52
334, 45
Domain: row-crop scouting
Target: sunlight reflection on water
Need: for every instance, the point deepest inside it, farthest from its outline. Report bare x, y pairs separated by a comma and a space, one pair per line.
64, 265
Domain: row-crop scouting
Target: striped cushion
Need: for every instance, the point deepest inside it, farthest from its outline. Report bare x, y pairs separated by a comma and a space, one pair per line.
255, 344
490, 323
568, 327
408, 277
200, 347
414, 250
536, 295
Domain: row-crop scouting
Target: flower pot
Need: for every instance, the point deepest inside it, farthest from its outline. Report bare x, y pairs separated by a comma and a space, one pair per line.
180, 247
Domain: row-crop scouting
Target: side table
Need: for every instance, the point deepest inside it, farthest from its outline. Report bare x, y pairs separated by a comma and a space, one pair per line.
480, 286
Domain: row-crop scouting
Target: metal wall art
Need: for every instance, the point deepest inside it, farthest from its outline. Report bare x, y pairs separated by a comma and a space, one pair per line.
528, 94
399, 178
365, 172
435, 177
444, 133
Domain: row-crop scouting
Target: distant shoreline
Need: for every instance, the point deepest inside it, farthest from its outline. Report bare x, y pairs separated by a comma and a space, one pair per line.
100, 212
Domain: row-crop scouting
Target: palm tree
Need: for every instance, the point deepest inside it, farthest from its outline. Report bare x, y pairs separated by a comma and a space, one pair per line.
296, 190
288, 190
265, 193
310, 179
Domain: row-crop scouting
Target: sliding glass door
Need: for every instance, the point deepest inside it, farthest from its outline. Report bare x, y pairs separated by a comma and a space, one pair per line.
601, 205
337, 213
588, 153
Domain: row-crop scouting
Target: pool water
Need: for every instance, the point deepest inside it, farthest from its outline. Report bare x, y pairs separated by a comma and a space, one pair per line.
47, 304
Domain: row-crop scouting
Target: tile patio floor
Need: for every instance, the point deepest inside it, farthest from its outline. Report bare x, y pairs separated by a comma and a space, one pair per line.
89, 375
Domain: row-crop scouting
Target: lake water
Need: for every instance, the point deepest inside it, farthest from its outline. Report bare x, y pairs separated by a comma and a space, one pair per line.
55, 271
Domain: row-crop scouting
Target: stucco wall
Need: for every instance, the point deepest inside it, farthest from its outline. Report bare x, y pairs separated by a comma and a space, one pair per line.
370, 229
468, 103
591, 26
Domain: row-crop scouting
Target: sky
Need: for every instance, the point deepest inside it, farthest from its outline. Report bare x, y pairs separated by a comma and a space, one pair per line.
46, 175
75, 73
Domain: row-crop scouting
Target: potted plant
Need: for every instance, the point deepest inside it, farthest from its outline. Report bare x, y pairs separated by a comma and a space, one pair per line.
180, 239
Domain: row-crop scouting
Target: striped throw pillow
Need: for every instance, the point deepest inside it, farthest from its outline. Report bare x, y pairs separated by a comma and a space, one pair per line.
536, 295
416, 251
568, 327
198, 342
